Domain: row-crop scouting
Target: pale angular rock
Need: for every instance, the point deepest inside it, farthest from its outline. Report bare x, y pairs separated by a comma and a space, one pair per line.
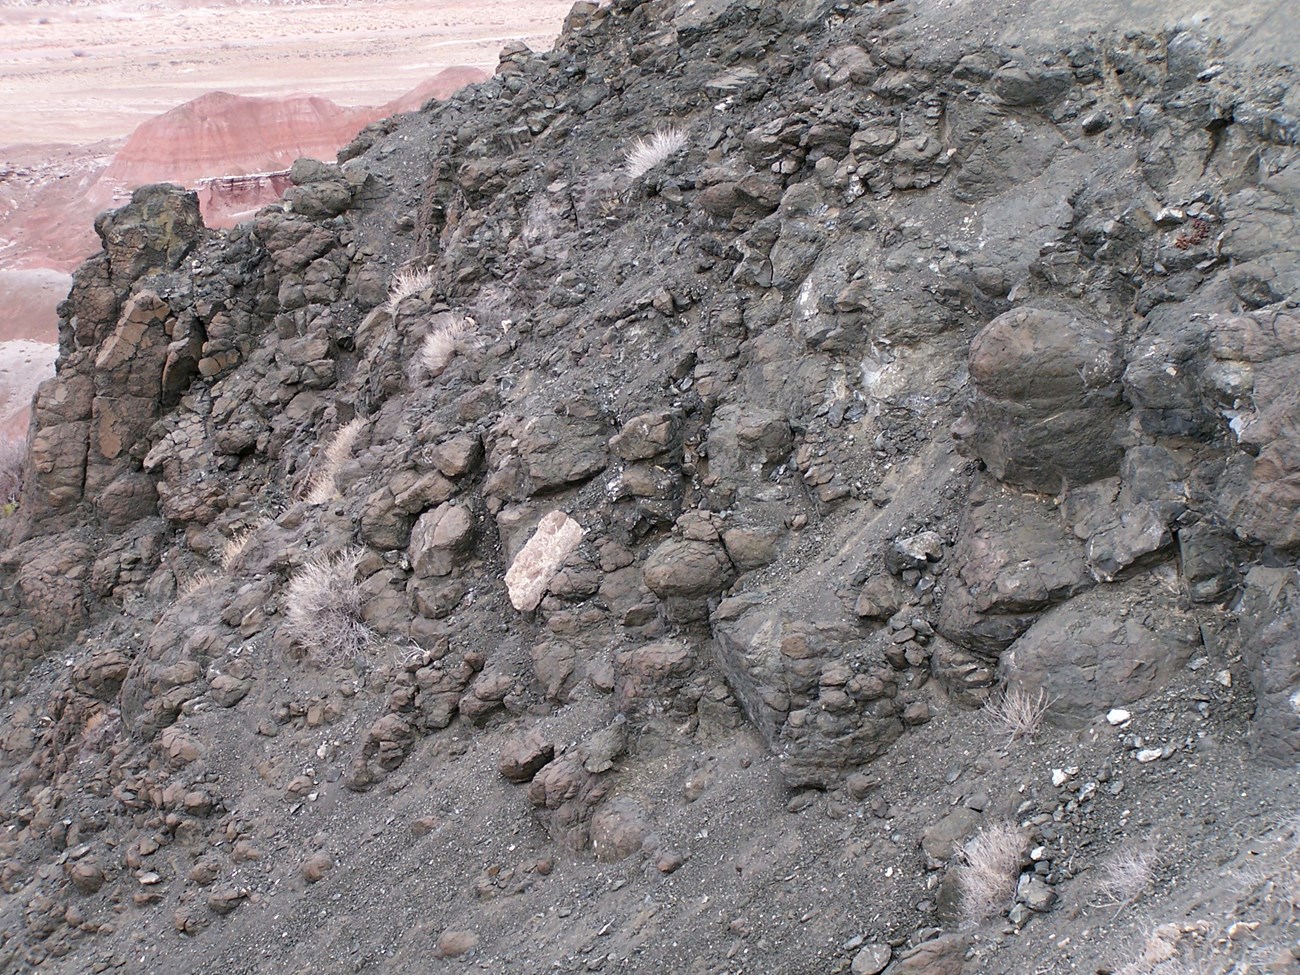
555, 539
751, 548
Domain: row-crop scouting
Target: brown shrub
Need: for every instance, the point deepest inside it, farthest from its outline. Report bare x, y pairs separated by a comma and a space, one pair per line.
990, 867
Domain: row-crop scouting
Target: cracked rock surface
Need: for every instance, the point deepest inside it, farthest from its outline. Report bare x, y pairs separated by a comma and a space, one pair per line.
948, 362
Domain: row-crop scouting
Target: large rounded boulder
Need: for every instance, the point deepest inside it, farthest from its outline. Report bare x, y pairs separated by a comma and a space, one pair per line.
1047, 399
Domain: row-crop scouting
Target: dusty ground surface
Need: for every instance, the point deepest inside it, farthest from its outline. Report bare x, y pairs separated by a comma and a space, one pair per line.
24, 365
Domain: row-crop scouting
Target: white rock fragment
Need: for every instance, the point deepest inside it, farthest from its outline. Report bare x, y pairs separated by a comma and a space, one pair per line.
1060, 776
1224, 677
1148, 755
1117, 716
557, 535
1242, 929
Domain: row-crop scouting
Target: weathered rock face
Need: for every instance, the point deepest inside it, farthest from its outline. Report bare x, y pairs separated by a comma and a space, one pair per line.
1106, 649
820, 698
1046, 403
1250, 379
1013, 559
126, 359
156, 231
623, 481
1270, 644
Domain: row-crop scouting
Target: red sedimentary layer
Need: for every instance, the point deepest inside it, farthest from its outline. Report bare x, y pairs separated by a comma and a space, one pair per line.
219, 134
231, 148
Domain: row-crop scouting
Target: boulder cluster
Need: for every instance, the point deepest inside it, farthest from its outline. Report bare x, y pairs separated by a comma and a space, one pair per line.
924, 372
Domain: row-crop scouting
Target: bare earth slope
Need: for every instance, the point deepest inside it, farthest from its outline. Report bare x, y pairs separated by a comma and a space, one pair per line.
491, 560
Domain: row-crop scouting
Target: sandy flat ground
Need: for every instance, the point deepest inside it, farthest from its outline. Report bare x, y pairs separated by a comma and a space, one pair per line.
24, 365
79, 73
28, 300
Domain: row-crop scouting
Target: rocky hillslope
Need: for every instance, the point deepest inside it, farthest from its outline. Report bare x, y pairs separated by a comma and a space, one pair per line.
628, 516
234, 151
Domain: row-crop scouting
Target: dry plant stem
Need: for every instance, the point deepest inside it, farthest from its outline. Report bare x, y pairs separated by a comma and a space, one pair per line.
991, 865
439, 346
194, 583
1126, 876
407, 282
338, 450
1017, 713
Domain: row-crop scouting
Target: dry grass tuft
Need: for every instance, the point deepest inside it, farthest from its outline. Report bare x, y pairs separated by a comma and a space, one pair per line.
236, 543
648, 152
439, 346
200, 580
1017, 713
322, 488
990, 867
322, 606
407, 282
1126, 876
13, 450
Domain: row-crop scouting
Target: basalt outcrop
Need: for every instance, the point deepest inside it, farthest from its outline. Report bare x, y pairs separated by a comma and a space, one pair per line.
923, 371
